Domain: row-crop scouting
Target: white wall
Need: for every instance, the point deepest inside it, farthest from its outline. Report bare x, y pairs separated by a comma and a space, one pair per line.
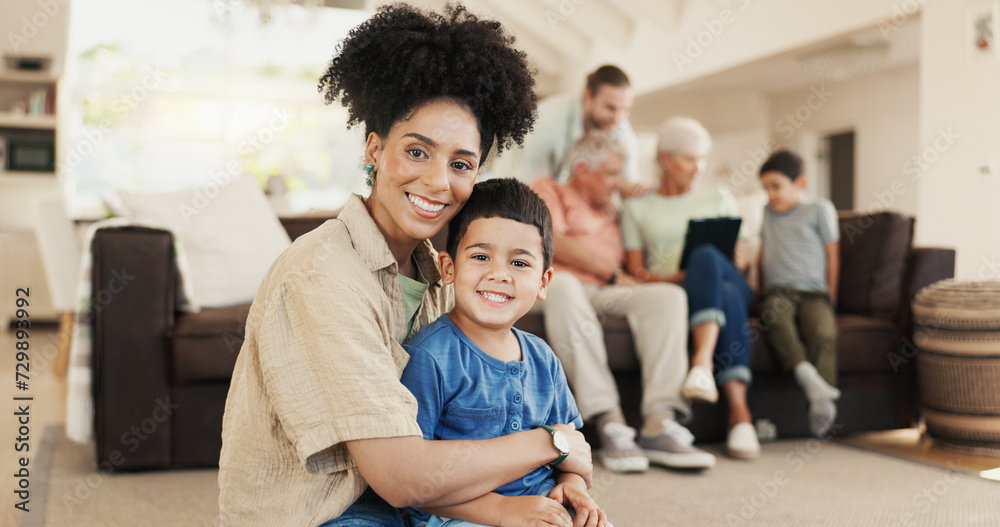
882, 109
35, 28
959, 125
737, 121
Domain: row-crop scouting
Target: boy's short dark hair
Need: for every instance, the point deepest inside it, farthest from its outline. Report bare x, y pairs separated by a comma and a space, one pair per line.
611, 75
503, 198
783, 161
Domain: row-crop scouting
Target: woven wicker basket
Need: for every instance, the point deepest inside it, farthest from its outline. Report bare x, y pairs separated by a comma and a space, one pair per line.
958, 336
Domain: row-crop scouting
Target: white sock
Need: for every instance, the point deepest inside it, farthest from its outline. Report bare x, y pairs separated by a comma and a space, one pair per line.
813, 384
822, 413
822, 409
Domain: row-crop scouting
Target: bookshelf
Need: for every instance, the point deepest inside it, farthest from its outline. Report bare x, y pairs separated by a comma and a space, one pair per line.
27, 100
9, 120
27, 108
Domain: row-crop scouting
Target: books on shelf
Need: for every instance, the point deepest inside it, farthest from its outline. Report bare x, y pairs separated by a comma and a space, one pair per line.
38, 102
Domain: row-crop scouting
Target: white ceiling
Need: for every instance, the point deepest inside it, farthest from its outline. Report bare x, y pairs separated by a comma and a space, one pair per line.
561, 39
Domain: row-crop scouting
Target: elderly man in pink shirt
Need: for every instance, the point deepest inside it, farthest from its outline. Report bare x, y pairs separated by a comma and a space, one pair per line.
588, 281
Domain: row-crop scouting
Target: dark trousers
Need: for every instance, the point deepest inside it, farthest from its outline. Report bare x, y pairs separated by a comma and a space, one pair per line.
801, 326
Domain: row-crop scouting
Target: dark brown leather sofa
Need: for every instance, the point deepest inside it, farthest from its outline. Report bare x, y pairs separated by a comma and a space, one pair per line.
160, 378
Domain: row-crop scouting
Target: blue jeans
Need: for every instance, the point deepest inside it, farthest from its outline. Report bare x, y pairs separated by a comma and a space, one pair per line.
717, 292
436, 521
370, 510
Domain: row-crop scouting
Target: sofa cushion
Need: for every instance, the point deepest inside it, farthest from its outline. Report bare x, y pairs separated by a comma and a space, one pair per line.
205, 345
864, 344
229, 236
618, 337
873, 254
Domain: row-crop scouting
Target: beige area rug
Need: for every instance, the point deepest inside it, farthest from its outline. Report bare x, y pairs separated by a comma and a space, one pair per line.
794, 483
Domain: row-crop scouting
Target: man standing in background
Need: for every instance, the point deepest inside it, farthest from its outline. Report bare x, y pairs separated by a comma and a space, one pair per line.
564, 119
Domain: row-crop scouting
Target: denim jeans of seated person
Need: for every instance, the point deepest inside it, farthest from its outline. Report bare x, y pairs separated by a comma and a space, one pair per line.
717, 292
436, 521
370, 510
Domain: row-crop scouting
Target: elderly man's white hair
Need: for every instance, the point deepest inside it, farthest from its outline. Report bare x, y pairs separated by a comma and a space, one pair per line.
684, 136
592, 149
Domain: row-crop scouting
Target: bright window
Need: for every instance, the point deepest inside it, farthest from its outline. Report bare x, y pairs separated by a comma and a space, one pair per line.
164, 95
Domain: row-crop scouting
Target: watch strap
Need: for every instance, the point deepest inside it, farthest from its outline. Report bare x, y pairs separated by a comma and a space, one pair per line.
562, 455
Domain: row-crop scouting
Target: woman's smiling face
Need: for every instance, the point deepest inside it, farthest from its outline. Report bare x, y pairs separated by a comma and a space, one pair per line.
424, 171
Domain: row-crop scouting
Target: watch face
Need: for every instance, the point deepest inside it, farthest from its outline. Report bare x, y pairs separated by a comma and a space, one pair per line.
561, 441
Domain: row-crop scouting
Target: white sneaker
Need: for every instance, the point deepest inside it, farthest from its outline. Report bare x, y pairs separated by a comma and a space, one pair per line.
699, 385
619, 453
742, 442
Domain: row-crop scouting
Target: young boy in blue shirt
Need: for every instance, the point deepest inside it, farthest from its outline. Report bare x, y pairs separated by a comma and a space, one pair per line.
800, 263
476, 377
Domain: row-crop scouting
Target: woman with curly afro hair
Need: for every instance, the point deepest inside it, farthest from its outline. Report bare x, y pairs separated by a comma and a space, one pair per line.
317, 427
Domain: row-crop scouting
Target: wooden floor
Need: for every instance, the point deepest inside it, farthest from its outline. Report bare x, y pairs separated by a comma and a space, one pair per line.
911, 443
49, 407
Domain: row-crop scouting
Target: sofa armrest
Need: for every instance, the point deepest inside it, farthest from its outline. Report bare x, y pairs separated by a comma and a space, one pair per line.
298, 225
925, 266
133, 279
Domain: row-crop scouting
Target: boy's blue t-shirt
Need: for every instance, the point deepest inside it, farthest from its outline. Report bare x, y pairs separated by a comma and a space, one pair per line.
464, 393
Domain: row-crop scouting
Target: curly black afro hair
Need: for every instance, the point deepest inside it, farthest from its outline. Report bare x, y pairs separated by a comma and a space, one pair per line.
402, 58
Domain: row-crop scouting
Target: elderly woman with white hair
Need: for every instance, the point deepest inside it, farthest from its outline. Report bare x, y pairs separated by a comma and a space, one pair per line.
719, 297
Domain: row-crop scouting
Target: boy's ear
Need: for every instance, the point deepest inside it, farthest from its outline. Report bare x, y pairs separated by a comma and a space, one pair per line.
801, 182
447, 266
546, 277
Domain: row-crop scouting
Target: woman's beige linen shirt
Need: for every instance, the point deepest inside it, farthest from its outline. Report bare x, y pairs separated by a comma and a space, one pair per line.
320, 365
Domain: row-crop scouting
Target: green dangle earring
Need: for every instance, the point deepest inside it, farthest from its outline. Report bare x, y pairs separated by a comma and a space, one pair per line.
369, 176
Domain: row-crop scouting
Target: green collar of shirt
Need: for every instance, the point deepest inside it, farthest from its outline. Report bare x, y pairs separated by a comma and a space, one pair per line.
413, 294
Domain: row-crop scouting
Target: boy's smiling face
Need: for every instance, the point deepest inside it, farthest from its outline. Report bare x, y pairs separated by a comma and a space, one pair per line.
498, 273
